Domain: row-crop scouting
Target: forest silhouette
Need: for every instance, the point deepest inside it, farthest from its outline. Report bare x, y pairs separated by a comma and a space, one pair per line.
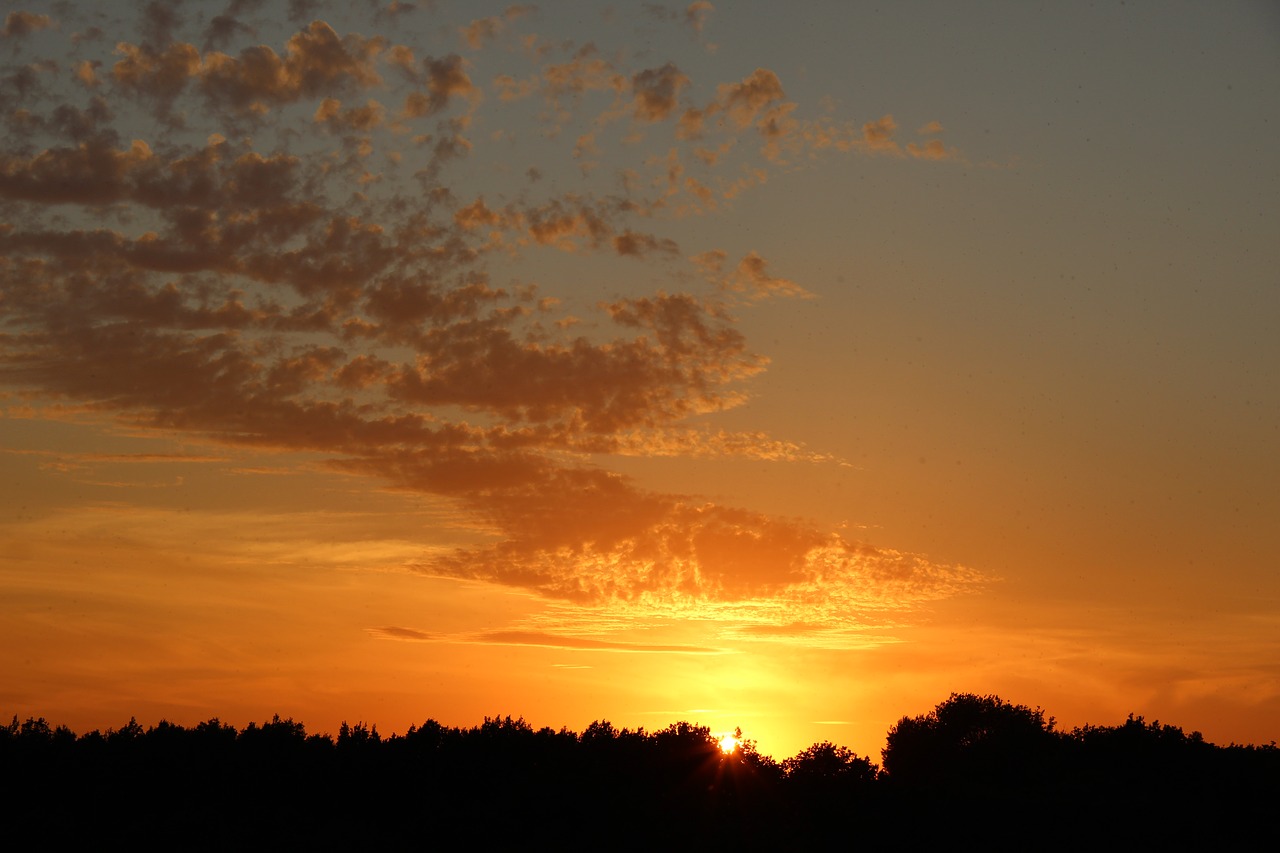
975, 768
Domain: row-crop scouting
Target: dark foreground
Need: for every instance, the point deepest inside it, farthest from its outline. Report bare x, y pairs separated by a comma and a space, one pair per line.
975, 771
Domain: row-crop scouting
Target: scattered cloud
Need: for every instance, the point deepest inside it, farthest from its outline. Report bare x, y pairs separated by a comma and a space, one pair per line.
657, 91
481, 31
878, 134
750, 277
932, 150
297, 258
18, 24
697, 13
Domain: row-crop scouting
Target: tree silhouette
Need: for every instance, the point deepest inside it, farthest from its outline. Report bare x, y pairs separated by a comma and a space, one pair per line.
976, 766
825, 764
974, 742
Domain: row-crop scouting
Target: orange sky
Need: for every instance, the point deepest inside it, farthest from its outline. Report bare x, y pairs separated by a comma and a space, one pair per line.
379, 362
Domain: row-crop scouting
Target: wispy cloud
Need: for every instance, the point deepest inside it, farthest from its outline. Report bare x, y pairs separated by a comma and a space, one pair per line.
537, 638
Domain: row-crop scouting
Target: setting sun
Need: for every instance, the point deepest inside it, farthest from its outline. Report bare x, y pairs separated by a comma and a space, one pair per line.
728, 744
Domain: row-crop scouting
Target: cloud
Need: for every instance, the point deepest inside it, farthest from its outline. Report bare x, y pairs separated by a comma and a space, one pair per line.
158, 75
481, 31
316, 61
697, 13
636, 244
656, 92
592, 537
878, 134
18, 24
539, 638
93, 172
566, 82
750, 277
331, 114
706, 443
478, 214
444, 79
392, 632
673, 369
364, 302
86, 71
932, 150
222, 29
81, 458
742, 103
745, 101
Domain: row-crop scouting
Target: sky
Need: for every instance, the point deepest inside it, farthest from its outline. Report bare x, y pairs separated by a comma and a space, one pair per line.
783, 370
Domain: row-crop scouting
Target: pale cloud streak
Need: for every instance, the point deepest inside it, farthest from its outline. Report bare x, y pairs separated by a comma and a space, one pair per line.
537, 638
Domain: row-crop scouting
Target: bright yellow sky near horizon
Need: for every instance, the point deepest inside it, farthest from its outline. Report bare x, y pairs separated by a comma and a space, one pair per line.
646, 363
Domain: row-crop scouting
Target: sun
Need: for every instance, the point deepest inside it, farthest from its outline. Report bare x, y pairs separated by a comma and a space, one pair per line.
728, 744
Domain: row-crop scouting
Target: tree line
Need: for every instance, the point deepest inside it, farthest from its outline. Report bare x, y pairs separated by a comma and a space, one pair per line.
975, 767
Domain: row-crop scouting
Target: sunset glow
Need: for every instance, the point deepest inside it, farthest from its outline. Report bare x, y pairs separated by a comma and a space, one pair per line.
640, 363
